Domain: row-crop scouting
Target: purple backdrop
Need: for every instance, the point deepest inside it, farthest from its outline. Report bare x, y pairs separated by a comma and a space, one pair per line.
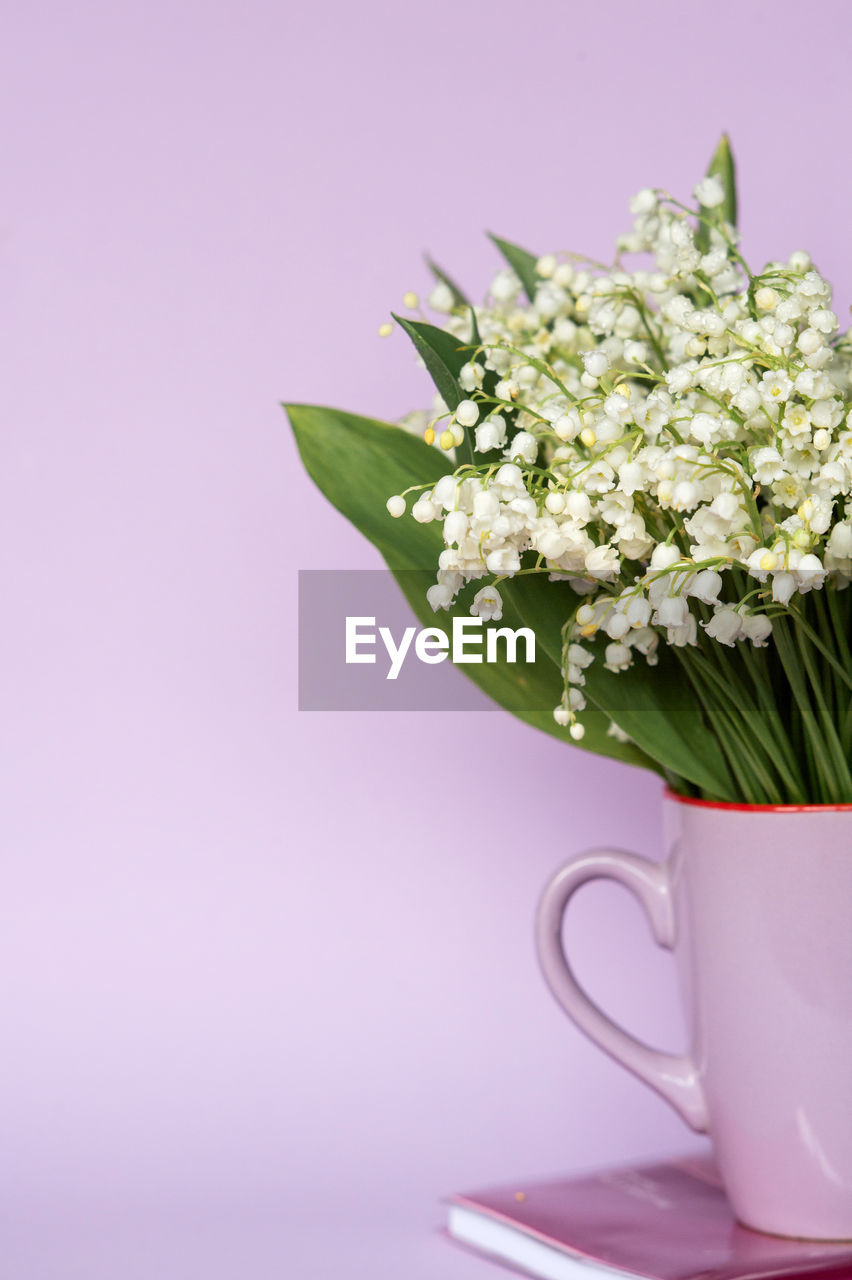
268, 986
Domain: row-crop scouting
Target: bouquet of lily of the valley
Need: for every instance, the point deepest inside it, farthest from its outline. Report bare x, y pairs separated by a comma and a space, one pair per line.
648, 463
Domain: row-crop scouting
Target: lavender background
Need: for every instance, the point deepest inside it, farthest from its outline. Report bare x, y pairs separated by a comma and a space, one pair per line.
267, 986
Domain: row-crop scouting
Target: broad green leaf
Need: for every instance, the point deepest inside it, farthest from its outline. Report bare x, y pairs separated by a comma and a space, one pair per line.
358, 463
444, 355
722, 167
659, 714
657, 710
475, 335
521, 262
458, 296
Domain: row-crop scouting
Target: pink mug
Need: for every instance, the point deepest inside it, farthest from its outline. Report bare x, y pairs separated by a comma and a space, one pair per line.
756, 904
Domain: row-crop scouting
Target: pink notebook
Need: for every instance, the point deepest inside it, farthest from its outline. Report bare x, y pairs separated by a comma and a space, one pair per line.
668, 1221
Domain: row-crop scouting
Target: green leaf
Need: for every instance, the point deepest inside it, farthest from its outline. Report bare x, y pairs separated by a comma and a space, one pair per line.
458, 296
475, 335
444, 355
521, 262
657, 710
722, 167
659, 713
358, 463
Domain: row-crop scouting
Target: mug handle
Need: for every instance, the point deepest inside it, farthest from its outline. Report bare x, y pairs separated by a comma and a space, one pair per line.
674, 1076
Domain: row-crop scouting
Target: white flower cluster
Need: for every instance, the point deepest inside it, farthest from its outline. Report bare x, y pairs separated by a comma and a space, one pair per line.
674, 439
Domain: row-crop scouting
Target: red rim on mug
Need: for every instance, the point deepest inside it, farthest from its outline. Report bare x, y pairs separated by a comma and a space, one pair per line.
755, 808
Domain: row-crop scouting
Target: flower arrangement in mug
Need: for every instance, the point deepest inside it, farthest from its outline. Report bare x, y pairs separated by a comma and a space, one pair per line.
649, 464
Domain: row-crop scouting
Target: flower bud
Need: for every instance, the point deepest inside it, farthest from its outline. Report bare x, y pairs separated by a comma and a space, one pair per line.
467, 413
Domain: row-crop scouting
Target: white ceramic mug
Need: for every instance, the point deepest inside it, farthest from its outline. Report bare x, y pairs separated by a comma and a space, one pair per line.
756, 903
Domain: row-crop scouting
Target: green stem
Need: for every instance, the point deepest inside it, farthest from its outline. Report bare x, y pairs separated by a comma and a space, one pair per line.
786, 762
750, 776
832, 740
822, 772
799, 619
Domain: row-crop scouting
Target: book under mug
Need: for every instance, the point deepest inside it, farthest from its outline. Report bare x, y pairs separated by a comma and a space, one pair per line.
663, 1221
